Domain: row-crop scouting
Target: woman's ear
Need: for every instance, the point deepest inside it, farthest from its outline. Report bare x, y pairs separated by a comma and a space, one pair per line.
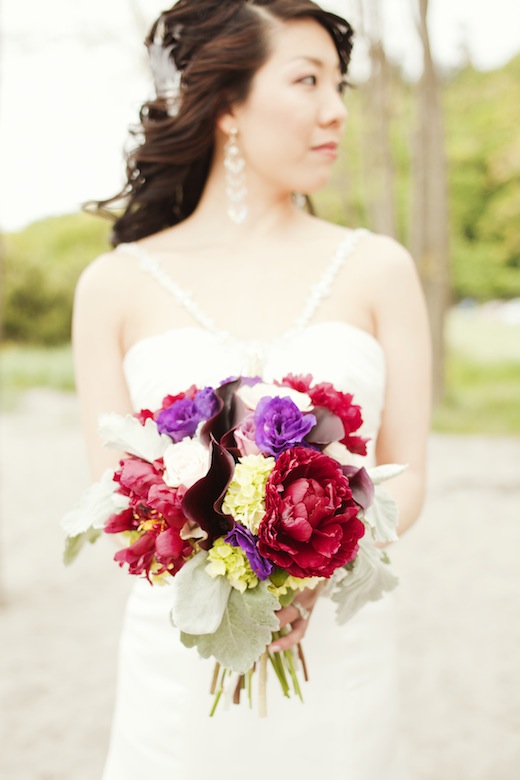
226, 122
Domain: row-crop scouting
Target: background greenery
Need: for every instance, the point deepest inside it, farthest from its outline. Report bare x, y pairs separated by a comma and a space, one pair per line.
42, 263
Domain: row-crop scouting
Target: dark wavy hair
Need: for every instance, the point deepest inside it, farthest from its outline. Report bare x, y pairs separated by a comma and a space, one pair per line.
218, 47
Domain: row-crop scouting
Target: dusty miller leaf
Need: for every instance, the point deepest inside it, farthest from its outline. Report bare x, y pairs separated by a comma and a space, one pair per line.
125, 432
366, 580
94, 508
386, 471
73, 544
383, 516
198, 600
245, 631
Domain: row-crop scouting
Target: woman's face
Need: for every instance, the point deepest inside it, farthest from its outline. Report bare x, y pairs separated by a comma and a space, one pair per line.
291, 122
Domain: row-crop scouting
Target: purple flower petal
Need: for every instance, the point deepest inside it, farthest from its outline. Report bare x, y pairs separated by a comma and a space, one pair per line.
183, 417
280, 425
242, 537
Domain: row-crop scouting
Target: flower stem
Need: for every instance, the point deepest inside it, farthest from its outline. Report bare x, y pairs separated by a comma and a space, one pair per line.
292, 671
250, 687
303, 663
213, 687
238, 688
219, 693
262, 685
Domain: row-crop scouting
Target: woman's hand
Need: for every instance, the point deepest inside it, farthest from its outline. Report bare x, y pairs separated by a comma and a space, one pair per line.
297, 617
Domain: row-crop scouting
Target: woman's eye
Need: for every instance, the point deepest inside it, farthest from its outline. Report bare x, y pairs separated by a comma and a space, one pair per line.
310, 80
342, 87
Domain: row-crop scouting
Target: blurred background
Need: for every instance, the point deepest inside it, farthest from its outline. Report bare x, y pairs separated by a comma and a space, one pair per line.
431, 155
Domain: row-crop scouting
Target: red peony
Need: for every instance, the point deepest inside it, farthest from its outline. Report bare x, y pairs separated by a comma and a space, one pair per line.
155, 514
340, 404
310, 526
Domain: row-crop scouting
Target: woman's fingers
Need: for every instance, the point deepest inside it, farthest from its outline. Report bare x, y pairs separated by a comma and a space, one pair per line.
291, 639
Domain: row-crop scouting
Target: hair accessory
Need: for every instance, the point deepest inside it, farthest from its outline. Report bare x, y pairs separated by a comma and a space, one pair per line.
166, 75
236, 189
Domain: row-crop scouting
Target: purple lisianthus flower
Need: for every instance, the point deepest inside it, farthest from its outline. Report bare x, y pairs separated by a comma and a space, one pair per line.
280, 425
242, 537
206, 403
183, 417
250, 381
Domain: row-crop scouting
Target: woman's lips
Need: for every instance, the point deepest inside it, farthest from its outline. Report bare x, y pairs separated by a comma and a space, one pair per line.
328, 150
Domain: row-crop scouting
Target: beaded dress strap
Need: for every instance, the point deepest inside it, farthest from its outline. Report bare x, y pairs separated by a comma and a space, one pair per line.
318, 292
151, 266
323, 289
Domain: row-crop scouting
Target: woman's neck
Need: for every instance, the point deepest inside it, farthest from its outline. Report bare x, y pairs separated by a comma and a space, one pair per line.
269, 210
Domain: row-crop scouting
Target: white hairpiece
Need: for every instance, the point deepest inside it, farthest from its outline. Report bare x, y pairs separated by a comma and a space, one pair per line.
166, 75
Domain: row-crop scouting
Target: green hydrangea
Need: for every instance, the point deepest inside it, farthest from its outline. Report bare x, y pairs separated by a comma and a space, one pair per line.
231, 562
293, 584
245, 495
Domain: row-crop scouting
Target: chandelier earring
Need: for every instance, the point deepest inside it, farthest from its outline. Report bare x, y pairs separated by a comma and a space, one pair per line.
236, 190
299, 200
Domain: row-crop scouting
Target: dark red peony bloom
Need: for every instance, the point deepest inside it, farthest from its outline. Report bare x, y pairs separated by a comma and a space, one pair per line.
340, 404
310, 526
155, 514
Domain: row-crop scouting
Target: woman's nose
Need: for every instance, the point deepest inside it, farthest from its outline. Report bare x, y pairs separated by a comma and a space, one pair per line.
334, 110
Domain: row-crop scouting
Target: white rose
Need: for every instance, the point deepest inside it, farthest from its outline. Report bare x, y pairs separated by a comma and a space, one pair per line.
185, 463
251, 395
339, 452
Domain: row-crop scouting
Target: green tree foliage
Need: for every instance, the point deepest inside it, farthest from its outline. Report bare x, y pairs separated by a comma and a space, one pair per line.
41, 266
483, 117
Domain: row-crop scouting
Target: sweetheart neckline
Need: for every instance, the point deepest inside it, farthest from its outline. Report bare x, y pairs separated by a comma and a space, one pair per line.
251, 342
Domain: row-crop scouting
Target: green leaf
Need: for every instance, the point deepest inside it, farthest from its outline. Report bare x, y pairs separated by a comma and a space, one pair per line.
73, 544
245, 631
198, 600
386, 471
367, 580
95, 506
383, 516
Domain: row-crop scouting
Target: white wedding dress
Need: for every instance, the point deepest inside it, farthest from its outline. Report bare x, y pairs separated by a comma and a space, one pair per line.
347, 727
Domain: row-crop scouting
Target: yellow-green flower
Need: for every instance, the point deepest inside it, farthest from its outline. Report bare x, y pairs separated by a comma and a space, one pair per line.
293, 584
231, 562
245, 495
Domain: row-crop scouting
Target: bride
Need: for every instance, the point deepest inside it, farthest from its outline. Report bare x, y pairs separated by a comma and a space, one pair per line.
216, 272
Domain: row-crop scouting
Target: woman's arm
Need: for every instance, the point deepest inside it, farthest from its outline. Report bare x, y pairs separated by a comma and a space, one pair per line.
97, 343
402, 329
401, 322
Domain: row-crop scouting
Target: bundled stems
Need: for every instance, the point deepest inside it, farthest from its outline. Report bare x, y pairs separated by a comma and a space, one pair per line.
285, 669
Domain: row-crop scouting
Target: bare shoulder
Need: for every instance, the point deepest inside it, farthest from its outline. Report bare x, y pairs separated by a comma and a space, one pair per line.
386, 256
388, 269
103, 273
102, 293
106, 280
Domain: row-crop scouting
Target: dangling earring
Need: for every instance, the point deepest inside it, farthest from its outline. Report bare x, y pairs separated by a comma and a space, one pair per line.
236, 189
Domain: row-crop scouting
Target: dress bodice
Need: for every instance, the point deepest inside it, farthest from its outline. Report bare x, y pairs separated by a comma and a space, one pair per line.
332, 351
352, 684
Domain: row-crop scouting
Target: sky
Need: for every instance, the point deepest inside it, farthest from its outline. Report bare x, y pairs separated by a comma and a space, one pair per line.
73, 75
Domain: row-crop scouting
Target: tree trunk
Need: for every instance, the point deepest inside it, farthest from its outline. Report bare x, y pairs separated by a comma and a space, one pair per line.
377, 152
429, 242
3, 598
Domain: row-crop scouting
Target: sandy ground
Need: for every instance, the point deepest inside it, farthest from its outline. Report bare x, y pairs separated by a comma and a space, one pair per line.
459, 610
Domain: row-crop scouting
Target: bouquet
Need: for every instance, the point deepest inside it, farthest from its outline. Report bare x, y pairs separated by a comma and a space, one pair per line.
240, 496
